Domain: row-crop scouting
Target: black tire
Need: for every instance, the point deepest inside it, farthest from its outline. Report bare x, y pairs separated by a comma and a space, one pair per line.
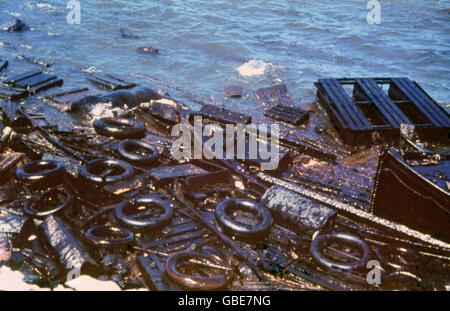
119, 128
126, 147
41, 172
147, 223
93, 170
345, 237
239, 230
30, 209
98, 236
194, 282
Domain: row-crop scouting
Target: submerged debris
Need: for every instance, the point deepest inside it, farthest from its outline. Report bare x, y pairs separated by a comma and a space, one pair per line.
101, 201
14, 25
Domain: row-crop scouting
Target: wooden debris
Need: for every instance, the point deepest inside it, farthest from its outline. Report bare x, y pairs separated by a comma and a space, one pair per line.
109, 82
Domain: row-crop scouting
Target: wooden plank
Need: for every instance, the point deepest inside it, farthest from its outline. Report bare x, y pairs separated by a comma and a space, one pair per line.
405, 89
183, 245
292, 115
46, 85
429, 102
109, 82
34, 81
383, 96
349, 122
173, 239
386, 106
358, 116
23, 76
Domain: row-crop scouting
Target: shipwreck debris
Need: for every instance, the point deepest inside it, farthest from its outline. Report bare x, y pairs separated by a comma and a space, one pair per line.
276, 95
50, 202
14, 25
63, 100
294, 116
248, 230
369, 109
147, 50
138, 152
194, 282
220, 115
120, 128
347, 238
234, 91
103, 171
108, 81
3, 64
143, 215
109, 236
41, 173
416, 196
296, 211
34, 81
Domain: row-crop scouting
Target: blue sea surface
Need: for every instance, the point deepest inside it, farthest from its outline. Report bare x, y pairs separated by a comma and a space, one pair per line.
205, 45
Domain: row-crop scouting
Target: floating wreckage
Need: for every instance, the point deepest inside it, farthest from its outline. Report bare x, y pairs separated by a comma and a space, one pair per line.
107, 198
367, 108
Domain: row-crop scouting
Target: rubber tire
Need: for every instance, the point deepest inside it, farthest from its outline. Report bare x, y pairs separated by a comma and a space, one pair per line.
194, 282
29, 210
109, 243
238, 230
146, 223
119, 128
86, 174
134, 158
30, 174
347, 237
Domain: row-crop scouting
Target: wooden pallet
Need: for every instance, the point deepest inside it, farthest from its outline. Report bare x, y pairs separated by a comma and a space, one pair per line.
368, 108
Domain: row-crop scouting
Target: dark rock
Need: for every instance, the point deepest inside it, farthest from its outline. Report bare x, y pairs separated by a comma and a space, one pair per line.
147, 50
117, 98
127, 35
166, 111
272, 96
144, 94
14, 25
292, 115
234, 91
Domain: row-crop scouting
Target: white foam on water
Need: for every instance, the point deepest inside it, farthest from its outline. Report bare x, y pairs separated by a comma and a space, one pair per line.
45, 5
15, 14
254, 68
106, 110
